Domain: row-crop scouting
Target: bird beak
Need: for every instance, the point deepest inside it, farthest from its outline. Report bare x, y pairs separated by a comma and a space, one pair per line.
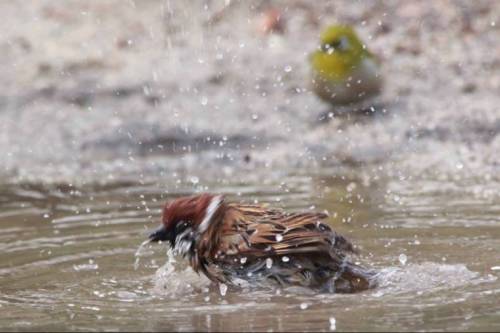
159, 234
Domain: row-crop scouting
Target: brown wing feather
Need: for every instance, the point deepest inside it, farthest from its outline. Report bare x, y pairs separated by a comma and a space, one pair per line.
259, 231
249, 235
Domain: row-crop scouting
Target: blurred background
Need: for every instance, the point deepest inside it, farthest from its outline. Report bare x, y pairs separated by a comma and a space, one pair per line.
109, 108
105, 89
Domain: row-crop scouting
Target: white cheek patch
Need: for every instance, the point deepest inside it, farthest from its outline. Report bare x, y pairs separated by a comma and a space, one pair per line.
184, 242
211, 209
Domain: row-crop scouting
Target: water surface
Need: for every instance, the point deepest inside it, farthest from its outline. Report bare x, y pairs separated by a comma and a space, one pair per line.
67, 258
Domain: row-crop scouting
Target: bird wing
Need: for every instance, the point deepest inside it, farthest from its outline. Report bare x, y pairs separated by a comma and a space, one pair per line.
255, 230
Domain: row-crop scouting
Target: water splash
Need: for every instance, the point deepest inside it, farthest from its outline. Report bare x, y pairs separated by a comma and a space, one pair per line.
178, 278
140, 253
333, 324
425, 277
403, 259
91, 266
223, 289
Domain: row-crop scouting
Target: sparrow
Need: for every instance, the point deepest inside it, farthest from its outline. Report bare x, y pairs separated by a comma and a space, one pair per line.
232, 242
344, 71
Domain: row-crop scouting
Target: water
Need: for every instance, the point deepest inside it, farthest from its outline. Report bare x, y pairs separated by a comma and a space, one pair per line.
67, 258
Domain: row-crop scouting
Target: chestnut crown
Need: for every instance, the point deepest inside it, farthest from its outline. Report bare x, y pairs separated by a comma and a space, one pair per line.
182, 213
186, 209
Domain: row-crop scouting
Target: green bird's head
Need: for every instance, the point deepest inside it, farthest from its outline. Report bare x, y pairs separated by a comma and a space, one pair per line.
339, 53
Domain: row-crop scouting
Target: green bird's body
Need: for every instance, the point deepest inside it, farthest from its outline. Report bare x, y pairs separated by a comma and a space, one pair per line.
343, 71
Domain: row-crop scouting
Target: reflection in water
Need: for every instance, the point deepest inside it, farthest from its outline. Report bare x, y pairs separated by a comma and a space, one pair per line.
67, 258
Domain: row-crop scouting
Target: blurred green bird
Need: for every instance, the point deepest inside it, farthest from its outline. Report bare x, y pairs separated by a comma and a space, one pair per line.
344, 72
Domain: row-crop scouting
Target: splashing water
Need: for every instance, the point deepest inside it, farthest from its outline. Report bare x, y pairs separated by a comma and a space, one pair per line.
333, 324
140, 253
403, 259
426, 277
178, 278
223, 289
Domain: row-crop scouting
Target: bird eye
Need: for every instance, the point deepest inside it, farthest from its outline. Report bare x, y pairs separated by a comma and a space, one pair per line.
341, 44
181, 225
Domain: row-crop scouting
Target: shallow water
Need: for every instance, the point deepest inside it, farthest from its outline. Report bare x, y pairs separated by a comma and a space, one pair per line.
67, 258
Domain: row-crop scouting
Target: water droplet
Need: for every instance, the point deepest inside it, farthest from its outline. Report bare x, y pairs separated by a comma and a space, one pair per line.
288, 68
403, 259
207, 298
194, 180
351, 187
304, 306
333, 324
285, 259
223, 289
269, 263
92, 308
279, 237
86, 267
255, 116
460, 166
204, 100
243, 260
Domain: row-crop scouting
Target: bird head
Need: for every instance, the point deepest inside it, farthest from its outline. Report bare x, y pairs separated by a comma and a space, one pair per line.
184, 219
339, 52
